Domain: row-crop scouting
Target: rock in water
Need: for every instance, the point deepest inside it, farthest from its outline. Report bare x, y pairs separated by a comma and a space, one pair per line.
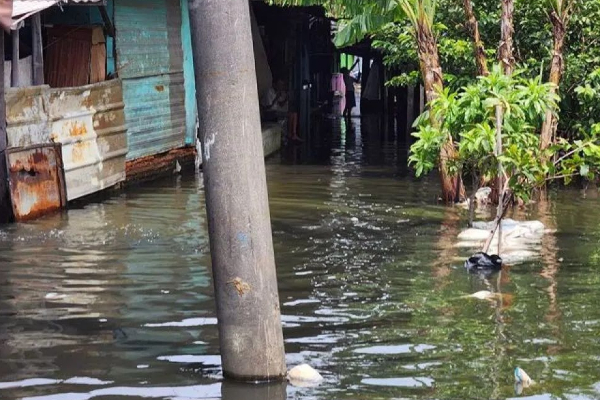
304, 375
522, 378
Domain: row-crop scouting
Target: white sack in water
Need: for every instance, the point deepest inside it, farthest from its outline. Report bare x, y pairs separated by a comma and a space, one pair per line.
304, 376
520, 239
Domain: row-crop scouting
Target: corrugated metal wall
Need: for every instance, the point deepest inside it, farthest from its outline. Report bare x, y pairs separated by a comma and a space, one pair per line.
89, 123
150, 63
191, 111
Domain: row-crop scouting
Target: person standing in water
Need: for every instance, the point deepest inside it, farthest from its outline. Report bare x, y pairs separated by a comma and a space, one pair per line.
350, 95
279, 101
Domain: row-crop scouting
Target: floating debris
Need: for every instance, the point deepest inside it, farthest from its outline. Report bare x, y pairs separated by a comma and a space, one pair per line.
483, 295
304, 376
479, 262
54, 296
177, 169
522, 378
521, 240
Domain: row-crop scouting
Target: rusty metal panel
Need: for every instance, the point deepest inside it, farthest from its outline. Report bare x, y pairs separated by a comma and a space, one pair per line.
89, 122
36, 180
26, 117
150, 54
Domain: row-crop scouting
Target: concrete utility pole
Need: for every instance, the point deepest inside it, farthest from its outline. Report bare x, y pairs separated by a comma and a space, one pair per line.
236, 191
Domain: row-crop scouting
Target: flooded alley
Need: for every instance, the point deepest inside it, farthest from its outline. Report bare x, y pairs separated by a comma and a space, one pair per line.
113, 299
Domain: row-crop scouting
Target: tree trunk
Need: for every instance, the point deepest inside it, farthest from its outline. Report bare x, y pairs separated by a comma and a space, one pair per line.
507, 30
478, 47
431, 70
429, 62
559, 27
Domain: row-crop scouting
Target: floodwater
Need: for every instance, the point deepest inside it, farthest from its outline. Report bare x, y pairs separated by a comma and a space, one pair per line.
113, 300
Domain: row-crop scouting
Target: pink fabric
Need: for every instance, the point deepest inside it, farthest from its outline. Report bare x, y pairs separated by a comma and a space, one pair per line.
337, 83
339, 93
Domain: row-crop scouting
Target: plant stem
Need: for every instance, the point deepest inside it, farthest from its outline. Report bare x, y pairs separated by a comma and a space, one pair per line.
474, 188
502, 185
498, 219
569, 153
499, 122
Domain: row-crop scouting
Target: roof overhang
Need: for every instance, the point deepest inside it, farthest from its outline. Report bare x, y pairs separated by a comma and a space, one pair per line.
13, 12
22, 9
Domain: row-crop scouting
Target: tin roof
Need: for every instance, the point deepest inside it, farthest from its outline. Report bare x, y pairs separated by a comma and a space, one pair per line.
21, 9
24, 8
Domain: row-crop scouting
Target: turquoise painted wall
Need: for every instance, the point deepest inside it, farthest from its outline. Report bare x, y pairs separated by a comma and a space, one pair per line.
191, 110
150, 63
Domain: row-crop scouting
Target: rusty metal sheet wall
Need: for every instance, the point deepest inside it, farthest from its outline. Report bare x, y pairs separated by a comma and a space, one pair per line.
36, 180
150, 62
90, 123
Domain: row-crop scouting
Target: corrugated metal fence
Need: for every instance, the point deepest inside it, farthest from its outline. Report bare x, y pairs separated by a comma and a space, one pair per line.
150, 62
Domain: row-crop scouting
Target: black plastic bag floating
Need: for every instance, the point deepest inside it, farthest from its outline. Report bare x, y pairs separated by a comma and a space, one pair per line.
483, 262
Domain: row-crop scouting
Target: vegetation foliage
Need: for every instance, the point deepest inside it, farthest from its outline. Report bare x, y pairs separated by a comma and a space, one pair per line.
557, 51
468, 117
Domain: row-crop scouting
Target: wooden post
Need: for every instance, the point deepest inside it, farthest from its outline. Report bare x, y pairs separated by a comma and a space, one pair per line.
108, 25
237, 206
14, 75
5, 206
410, 109
403, 133
37, 57
366, 69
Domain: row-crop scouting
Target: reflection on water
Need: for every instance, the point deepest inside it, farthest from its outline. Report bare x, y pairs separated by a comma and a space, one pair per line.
114, 299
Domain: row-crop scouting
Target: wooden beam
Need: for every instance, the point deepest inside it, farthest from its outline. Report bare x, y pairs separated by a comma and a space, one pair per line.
14, 76
3, 138
5, 205
37, 58
108, 25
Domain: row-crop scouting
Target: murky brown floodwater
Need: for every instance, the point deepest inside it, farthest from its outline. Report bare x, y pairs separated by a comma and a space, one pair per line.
114, 300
